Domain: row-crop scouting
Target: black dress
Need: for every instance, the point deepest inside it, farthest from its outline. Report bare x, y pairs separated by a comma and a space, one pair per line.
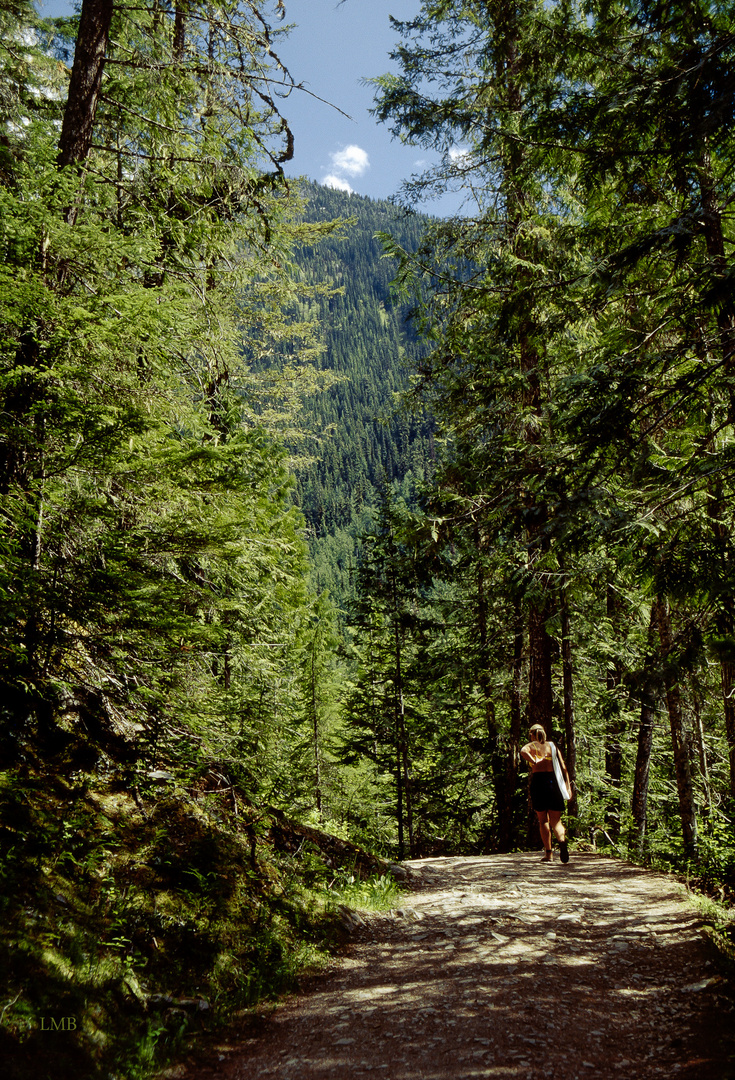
545, 794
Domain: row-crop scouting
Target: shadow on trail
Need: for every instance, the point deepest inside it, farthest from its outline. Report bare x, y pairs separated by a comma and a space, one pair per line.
502, 967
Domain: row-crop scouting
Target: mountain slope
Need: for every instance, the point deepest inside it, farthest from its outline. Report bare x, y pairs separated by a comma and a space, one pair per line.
366, 440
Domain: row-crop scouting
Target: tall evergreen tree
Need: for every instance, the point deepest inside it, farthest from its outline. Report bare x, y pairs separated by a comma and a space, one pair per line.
152, 555
580, 314
489, 376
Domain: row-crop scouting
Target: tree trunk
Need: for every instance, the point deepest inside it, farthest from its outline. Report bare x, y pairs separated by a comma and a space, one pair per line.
315, 725
399, 802
523, 321
714, 235
725, 618
86, 80
727, 678
516, 704
483, 675
701, 751
679, 739
540, 693
570, 737
650, 695
725, 314
179, 29
404, 787
407, 783
615, 731
498, 757
505, 837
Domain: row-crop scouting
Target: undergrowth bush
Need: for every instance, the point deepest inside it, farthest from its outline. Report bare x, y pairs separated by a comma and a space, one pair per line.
716, 863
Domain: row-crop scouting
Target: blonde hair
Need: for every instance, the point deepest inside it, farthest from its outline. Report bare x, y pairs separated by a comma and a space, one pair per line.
541, 733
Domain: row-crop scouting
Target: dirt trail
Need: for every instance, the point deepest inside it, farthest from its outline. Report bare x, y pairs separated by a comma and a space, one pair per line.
501, 966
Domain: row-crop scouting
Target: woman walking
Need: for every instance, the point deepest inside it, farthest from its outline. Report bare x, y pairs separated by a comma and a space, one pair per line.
550, 786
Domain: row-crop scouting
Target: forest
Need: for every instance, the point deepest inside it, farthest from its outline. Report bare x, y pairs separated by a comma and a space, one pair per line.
310, 504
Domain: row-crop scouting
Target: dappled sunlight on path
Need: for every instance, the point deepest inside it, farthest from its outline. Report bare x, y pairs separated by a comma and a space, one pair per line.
503, 966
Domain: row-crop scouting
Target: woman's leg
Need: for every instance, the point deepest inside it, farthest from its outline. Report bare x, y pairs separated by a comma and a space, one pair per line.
557, 825
543, 827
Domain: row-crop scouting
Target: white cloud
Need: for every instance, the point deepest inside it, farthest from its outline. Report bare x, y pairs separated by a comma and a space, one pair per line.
348, 162
337, 182
459, 153
353, 160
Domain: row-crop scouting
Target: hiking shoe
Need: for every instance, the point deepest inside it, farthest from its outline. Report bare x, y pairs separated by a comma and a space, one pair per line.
564, 851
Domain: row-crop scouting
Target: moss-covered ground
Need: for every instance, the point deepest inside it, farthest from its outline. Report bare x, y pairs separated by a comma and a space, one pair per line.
134, 919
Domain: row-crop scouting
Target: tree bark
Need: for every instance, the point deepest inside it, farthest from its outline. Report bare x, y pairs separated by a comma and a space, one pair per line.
682, 765
86, 81
404, 777
727, 680
701, 751
615, 731
714, 236
540, 693
503, 783
516, 710
179, 30
315, 724
570, 736
523, 323
650, 696
505, 838
725, 618
725, 315
484, 658
399, 802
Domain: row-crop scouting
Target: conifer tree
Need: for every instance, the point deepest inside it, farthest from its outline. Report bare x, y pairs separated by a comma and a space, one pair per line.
580, 315
488, 377
385, 598
153, 557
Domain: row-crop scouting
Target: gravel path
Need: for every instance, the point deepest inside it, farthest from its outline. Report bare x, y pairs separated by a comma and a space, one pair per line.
502, 966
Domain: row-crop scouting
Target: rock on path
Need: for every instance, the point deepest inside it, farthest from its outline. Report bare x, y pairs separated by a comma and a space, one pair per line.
501, 966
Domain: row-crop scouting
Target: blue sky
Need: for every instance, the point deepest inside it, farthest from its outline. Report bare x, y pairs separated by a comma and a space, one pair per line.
332, 50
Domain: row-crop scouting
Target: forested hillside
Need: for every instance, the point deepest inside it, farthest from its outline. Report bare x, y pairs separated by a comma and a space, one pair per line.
370, 343
364, 439
285, 579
